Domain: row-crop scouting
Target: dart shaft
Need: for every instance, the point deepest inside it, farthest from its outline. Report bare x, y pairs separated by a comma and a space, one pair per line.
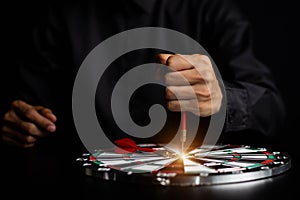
182, 140
183, 132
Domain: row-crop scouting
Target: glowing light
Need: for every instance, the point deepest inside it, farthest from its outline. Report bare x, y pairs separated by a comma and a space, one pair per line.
182, 156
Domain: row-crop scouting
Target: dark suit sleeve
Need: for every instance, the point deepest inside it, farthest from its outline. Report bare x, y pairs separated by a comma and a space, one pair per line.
254, 104
42, 75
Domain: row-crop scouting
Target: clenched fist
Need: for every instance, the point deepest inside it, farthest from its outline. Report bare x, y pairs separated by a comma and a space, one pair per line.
199, 91
24, 124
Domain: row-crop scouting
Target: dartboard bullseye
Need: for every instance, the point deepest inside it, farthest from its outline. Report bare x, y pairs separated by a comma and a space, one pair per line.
202, 166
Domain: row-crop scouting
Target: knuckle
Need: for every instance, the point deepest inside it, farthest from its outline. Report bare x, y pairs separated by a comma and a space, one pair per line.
29, 139
7, 116
208, 75
197, 92
199, 78
46, 111
203, 109
206, 59
168, 93
203, 59
171, 60
29, 112
16, 103
204, 92
219, 97
170, 105
30, 128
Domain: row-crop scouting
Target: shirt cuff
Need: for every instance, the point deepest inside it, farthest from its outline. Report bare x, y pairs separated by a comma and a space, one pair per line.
237, 109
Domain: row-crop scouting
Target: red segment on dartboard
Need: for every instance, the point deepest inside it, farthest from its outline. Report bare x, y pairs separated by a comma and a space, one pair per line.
267, 153
268, 161
92, 158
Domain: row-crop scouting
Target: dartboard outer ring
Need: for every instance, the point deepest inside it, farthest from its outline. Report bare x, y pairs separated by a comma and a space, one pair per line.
277, 163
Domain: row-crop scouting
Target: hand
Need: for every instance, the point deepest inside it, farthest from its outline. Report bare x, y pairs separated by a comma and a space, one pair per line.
204, 97
24, 124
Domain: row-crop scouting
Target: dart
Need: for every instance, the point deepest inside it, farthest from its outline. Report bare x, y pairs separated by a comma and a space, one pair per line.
183, 132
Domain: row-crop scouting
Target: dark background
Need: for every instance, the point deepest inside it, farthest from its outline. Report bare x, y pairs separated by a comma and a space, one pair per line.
274, 30
273, 22
275, 43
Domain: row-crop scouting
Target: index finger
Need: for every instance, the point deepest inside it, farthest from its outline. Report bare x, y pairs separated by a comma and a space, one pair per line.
46, 112
28, 112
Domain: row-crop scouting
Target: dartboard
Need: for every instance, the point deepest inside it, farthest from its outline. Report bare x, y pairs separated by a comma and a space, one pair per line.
218, 164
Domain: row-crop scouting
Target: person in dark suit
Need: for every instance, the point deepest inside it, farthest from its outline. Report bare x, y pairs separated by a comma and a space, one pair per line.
40, 103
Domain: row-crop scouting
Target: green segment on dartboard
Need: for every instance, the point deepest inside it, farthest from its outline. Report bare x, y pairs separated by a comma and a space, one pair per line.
254, 166
98, 162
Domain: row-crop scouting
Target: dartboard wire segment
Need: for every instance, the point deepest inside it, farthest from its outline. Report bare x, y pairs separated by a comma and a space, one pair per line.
202, 166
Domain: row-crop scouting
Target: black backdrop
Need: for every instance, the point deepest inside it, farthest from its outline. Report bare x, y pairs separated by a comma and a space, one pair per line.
274, 24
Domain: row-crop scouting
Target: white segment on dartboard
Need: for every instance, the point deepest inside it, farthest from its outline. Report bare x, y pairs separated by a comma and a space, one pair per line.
206, 148
149, 167
241, 164
214, 162
118, 155
191, 167
231, 150
127, 161
140, 163
239, 150
242, 156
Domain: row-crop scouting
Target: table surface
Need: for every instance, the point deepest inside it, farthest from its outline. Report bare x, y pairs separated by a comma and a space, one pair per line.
52, 171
